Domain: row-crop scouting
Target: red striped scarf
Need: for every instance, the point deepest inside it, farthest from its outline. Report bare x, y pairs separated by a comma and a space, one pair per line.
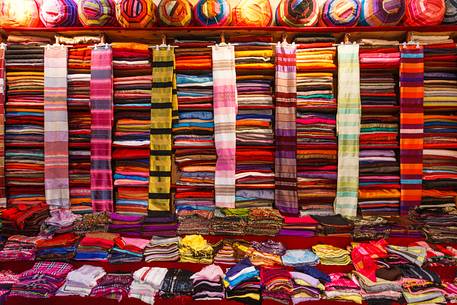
101, 104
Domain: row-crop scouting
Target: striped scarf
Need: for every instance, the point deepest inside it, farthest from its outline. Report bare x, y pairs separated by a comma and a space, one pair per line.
57, 185
2, 129
348, 130
411, 126
101, 106
164, 105
225, 109
286, 197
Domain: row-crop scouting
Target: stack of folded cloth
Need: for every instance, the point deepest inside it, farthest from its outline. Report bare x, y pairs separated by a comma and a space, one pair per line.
147, 282
277, 284
306, 287
242, 283
254, 65
24, 113
316, 124
330, 255
207, 284
417, 291
297, 257
440, 130
225, 255
95, 246
195, 249
380, 289
59, 248
128, 250
132, 93
379, 183
24, 219
42, 281
439, 224
450, 291
370, 228
114, 286
7, 280
165, 225
128, 225
20, 248
334, 225
305, 226
342, 287
414, 254
378, 130
193, 133
229, 221
81, 281
265, 253
177, 282
96, 222
162, 249
263, 221
61, 221
194, 220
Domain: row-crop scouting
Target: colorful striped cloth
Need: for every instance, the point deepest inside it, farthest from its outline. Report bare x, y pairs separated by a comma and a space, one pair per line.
424, 12
56, 183
340, 13
96, 12
411, 126
175, 12
225, 109
285, 130
450, 16
136, 13
382, 12
101, 104
212, 12
298, 13
2, 128
252, 13
59, 13
348, 129
164, 105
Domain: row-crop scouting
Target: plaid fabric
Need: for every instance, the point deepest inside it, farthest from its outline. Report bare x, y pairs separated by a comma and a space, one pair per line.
101, 104
164, 105
56, 269
2, 129
286, 197
348, 130
411, 126
56, 128
225, 109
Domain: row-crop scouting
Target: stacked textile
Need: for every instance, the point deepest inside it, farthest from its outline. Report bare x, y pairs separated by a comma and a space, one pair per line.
95, 246
162, 249
24, 219
380, 290
299, 257
277, 284
229, 221
177, 282
128, 250
7, 280
147, 282
207, 284
306, 287
114, 286
422, 292
195, 220
242, 283
438, 223
128, 225
60, 247
159, 226
225, 255
263, 221
195, 249
96, 222
81, 281
193, 134
342, 288
24, 111
305, 226
371, 228
440, 129
379, 176
42, 281
265, 253
334, 225
316, 124
330, 255
254, 177
132, 93
19, 248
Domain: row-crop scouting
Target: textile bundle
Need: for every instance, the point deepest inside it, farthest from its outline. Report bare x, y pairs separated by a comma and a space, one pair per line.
96, 12
175, 12
136, 13
424, 12
340, 13
132, 90
212, 12
54, 13
207, 284
382, 12
316, 124
24, 15
297, 13
252, 13
450, 16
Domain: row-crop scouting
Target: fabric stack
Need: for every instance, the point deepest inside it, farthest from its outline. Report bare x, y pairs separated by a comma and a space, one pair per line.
95, 246
159, 226
59, 248
439, 224
114, 286
162, 249
128, 250
195, 220
147, 282
229, 221
440, 129
225, 255
242, 283
128, 225
96, 222
265, 253
342, 288
193, 134
330, 255
23, 219
19, 248
305, 226
335, 225
81, 281
177, 282
423, 292
195, 249
277, 284
207, 284
316, 124
306, 287
24, 128
42, 281
263, 221
381, 289
132, 83
254, 177
299, 257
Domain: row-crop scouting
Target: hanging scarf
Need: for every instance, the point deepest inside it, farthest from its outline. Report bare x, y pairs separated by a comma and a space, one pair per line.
286, 197
101, 105
348, 129
56, 183
411, 126
163, 107
225, 109
2, 129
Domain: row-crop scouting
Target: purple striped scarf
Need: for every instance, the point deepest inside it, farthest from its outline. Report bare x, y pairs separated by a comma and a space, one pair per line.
56, 127
225, 109
101, 105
